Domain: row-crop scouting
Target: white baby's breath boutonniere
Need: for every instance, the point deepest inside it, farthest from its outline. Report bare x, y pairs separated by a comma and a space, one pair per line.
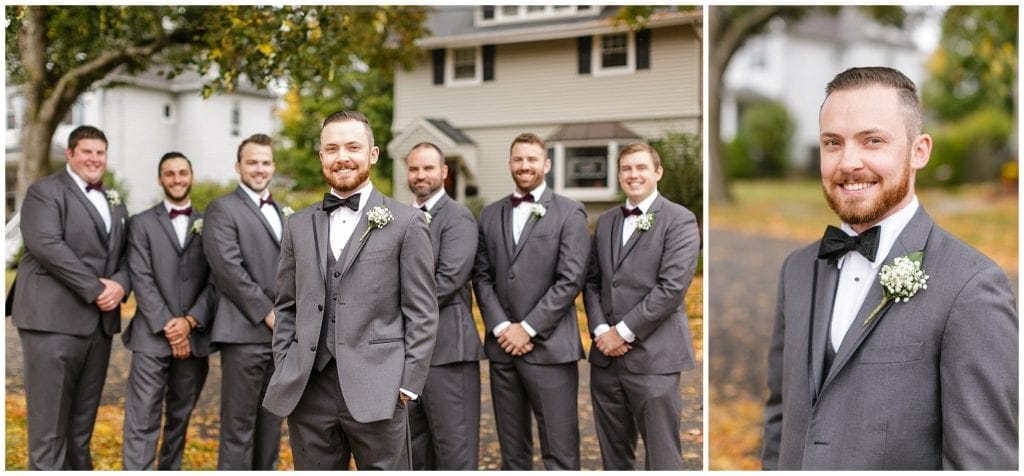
113, 197
900, 281
645, 222
287, 211
197, 226
538, 210
378, 217
428, 216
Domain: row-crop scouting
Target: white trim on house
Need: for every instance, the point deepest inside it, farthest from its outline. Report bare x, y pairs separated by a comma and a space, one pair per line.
468, 152
449, 68
525, 14
598, 68
558, 164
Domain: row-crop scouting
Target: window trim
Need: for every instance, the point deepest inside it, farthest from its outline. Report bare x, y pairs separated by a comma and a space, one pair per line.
449, 68
597, 67
523, 14
558, 162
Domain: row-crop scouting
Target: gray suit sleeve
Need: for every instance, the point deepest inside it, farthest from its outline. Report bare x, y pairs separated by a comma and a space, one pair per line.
202, 310
592, 291
455, 264
122, 275
483, 281
284, 304
772, 437
41, 225
571, 270
419, 303
220, 243
978, 376
140, 260
678, 263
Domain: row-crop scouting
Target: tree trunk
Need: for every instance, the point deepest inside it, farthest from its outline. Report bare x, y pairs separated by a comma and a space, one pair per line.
36, 135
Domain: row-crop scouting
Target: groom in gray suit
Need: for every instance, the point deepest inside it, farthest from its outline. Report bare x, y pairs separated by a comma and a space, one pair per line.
530, 265
168, 335
241, 240
445, 422
357, 314
919, 375
67, 300
642, 261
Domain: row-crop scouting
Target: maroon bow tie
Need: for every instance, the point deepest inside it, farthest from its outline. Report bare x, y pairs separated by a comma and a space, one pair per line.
95, 186
184, 211
267, 201
525, 198
626, 212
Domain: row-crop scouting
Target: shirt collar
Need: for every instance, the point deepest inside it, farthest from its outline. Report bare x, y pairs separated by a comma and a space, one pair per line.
364, 195
255, 197
78, 180
430, 201
169, 206
892, 226
537, 192
646, 203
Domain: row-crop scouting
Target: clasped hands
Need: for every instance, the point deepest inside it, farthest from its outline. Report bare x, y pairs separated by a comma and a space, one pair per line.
111, 295
176, 331
515, 340
611, 344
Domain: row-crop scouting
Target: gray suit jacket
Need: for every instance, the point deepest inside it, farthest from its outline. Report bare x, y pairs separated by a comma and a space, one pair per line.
170, 280
928, 384
644, 284
386, 310
535, 281
242, 251
453, 239
67, 250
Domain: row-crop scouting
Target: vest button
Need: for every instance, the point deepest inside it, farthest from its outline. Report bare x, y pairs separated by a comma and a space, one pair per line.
312, 348
337, 274
319, 307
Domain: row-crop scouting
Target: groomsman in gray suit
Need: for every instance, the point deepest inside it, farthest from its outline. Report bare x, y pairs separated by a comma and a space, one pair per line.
168, 335
357, 314
67, 300
919, 376
241, 241
445, 421
642, 261
530, 264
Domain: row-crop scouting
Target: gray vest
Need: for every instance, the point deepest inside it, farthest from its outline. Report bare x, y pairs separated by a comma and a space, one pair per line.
325, 345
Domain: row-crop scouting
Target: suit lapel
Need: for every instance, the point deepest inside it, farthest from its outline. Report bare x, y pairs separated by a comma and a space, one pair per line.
321, 239
616, 241
637, 233
165, 222
506, 227
189, 235
913, 238
97, 220
826, 277
357, 239
248, 203
531, 221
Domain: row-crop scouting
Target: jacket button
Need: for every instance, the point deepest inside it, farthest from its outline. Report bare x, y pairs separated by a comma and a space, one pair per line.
337, 274
615, 284
319, 307
332, 320
511, 275
312, 348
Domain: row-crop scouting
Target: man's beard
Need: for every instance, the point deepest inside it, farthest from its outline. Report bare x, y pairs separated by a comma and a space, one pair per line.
170, 195
342, 186
424, 193
863, 212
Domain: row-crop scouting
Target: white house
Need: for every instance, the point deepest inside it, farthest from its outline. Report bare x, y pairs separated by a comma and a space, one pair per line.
569, 74
792, 63
145, 116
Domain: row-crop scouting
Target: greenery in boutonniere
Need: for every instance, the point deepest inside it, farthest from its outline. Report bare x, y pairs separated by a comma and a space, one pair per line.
197, 226
645, 222
900, 281
378, 217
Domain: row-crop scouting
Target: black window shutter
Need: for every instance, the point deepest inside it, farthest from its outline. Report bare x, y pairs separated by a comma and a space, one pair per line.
488, 54
439, 66
643, 49
583, 47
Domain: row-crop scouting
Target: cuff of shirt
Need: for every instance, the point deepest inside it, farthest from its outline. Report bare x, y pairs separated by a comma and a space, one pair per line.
498, 329
409, 394
601, 329
627, 335
528, 329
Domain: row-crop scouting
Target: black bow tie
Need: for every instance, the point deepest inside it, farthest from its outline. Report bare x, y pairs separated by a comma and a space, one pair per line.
525, 198
95, 186
626, 212
267, 201
184, 211
837, 243
423, 208
332, 202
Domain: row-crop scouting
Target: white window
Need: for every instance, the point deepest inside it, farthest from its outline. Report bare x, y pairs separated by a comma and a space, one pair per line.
488, 14
464, 67
614, 53
585, 170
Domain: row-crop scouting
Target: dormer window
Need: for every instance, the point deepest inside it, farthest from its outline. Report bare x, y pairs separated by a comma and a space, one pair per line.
492, 14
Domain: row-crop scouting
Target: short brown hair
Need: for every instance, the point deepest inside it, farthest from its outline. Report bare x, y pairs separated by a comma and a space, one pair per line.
426, 145
342, 116
855, 78
85, 132
528, 138
258, 139
640, 147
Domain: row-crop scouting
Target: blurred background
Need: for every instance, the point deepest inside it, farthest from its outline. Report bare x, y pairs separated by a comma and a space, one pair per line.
767, 75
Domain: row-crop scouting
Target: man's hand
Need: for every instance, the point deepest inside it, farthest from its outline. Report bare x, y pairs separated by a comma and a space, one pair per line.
611, 344
269, 320
176, 330
111, 296
403, 398
515, 340
182, 350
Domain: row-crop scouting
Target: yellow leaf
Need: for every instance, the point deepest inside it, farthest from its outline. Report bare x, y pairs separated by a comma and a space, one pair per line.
266, 49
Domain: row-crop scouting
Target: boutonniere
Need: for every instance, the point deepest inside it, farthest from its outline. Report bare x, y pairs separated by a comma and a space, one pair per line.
900, 281
197, 226
538, 210
113, 197
645, 222
428, 216
378, 217
287, 211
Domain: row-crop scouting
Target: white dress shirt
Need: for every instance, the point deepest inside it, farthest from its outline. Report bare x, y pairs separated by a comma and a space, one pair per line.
344, 219
857, 274
430, 201
96, 197
180, 222
268, 211
520, 216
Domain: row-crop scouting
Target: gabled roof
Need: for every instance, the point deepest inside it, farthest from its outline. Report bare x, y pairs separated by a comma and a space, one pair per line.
454, 133
453, 26
592, 131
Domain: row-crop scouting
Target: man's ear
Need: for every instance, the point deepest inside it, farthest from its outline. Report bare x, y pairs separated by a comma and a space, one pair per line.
920, 151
